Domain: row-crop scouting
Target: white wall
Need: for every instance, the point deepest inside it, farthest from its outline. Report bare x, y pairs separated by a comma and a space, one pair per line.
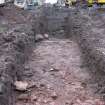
40, 2
51, 1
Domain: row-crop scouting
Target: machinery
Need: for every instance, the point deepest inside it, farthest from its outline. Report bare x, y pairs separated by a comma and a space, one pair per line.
70, 2
98, 2
25, 4
67, 3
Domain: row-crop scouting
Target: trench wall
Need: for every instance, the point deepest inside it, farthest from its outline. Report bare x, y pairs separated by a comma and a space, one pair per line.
16, 45
92, 45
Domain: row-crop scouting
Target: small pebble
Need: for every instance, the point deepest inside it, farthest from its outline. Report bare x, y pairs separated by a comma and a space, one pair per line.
34, 98
54, 96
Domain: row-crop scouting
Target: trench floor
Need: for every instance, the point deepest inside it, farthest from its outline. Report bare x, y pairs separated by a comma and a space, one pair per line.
57, 76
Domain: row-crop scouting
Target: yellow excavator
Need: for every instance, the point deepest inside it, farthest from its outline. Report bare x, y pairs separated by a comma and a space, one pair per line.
98, 2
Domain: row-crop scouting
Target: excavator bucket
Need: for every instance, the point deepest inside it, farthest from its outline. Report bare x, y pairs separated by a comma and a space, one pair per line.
98, 2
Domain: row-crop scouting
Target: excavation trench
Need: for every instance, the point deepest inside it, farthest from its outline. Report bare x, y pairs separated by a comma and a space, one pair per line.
55, 68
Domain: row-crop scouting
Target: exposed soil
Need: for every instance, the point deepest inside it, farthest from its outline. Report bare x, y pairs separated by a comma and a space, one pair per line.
54, 68
87, 29
58, 76
16, 41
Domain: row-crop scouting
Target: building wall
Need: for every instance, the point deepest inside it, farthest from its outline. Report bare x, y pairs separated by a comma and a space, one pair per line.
41, 2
